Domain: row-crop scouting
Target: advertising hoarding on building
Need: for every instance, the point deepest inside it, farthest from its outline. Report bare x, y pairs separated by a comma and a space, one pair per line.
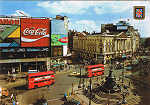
25, 49
9, 35
122, 27
58, 40
65, 50
57, 51
35, 32
9, 21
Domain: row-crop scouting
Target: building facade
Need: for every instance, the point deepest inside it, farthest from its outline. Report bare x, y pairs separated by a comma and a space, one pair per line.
109, 44
32, 43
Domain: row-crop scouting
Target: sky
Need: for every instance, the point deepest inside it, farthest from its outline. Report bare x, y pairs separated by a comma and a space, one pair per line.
83, 15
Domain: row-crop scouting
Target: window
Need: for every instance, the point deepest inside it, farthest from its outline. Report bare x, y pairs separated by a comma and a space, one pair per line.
42, 81
41, 75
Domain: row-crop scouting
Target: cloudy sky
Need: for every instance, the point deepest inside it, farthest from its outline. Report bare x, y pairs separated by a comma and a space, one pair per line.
83, 15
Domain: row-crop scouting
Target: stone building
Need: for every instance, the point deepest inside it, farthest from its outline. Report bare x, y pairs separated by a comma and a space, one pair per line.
97, 47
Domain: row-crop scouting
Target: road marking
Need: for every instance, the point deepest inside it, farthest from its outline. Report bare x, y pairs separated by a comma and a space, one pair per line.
54, 99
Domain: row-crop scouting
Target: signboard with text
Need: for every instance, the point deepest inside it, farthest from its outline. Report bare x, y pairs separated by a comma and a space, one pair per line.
35, 32
122, 27
9, 21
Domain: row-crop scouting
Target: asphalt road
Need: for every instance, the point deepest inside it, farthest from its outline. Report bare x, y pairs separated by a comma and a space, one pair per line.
53, 94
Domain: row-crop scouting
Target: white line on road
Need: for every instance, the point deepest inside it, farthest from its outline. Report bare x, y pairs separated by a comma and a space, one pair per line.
54, 99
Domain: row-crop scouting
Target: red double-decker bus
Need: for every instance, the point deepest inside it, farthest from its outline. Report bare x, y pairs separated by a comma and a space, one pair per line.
95, 70
40, 79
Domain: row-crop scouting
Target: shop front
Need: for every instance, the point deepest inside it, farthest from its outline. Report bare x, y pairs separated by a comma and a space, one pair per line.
57, 64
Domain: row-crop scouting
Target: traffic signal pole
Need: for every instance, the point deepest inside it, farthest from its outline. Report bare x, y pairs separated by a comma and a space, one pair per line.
90, 91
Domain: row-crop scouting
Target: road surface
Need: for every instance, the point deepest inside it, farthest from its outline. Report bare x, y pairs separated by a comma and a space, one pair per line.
53, 94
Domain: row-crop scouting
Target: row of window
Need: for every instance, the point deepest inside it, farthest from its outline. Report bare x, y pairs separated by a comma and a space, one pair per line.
42, 81
41, 75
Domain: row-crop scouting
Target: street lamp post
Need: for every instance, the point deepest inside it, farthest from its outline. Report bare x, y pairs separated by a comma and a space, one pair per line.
123, 99
123, 75
124, 57
80, 78
109, 97
123, 94
90, 91
83, 84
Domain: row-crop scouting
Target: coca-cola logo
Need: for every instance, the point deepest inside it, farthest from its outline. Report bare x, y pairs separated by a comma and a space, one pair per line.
33, 31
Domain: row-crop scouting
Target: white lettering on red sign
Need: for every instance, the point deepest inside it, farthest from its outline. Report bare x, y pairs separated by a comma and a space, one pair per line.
42, 78
39, 31
96, 69
10, 21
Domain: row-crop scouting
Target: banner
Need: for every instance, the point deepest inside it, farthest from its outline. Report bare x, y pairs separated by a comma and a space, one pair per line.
34, 32
9, 21
59, 40
57, 51
9, 36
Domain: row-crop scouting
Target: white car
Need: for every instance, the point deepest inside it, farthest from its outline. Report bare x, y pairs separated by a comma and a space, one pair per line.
74, 74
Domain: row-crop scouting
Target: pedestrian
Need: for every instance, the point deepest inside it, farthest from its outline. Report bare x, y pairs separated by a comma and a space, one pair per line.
129, 83
11, 96
17, 103
65, 97
48, 86
86, 90
44, 101
14, 103
13, 70
8, 73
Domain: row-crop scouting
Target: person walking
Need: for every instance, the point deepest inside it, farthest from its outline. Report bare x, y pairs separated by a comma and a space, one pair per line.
17, 103
14, 103
43, 101
48, 86
65, 97
11, 97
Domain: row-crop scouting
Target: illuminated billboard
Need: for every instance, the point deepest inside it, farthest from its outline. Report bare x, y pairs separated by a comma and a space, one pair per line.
9, 35
9, 21
122, 27
58, 40
34, 32
57, 51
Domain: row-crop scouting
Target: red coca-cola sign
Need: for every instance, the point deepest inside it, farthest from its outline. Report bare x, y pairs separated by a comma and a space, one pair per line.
35, 32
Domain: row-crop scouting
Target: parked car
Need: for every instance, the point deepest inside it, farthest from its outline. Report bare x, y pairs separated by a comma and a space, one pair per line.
74, 74
72, 102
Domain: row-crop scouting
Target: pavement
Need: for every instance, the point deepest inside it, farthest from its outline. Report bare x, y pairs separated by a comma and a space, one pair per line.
102, 98
53, 94
56, 93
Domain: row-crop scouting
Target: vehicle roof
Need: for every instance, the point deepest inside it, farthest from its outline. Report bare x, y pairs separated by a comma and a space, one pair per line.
92, 66
41, 73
